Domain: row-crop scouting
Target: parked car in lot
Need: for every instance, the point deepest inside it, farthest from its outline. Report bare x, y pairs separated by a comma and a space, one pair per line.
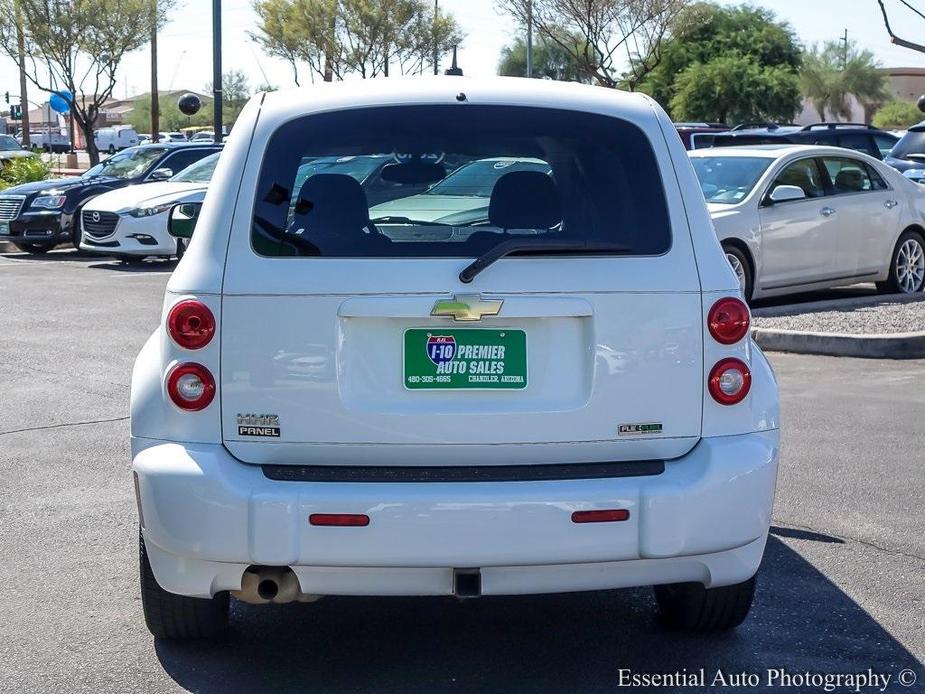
463, 197
562, 398
794, 218
687, 131
908, 155
145, 139
115, 138
857, 136
36, 217
49, 142
130, 223
10, 149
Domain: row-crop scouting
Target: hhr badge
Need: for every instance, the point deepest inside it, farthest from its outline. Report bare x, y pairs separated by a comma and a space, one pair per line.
258, 425
639, 429
467, 307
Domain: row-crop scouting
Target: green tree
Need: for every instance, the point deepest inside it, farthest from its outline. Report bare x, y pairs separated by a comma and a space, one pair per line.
897, 115
833, 73
170, 116
735, 89
615, 42
236, 91
336, 38
550, 61
78, 45
746, 38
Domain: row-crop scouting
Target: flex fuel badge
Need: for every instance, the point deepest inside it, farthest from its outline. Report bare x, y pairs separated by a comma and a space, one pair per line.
258, 425
639, 429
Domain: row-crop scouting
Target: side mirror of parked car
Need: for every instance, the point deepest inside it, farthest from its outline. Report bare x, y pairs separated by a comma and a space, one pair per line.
785, 193
182, 219
161, 174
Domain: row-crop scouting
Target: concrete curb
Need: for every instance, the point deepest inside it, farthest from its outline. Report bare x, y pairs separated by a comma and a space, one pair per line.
892, 346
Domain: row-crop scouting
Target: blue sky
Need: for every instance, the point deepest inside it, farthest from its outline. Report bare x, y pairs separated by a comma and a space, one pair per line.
185, 44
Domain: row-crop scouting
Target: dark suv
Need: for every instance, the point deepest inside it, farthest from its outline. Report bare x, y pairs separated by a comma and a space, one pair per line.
857, 136
37, 216
908, 155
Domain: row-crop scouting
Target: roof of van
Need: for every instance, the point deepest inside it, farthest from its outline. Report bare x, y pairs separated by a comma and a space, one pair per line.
395, 91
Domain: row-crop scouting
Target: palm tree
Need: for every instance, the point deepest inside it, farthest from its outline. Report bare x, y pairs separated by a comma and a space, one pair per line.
830, 75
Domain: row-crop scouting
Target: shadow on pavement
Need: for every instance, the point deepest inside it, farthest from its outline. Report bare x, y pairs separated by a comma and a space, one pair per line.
810, 535
147, 266
571, 642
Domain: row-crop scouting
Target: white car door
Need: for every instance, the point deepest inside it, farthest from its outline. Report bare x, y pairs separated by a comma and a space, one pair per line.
868, 215
797, 236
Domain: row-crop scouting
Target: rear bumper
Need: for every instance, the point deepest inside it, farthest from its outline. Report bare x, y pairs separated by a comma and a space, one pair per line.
705, 518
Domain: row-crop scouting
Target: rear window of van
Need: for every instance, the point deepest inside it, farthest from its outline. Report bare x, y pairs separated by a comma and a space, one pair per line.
454, 181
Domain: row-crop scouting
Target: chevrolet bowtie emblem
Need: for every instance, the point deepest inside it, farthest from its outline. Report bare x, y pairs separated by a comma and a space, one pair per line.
467, 307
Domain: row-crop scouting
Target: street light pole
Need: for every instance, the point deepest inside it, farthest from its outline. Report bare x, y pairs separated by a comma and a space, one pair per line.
217, 69
529, 38
155, 96
436, 49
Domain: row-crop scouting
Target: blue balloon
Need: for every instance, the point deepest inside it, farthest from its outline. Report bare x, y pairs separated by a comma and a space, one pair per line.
61, 101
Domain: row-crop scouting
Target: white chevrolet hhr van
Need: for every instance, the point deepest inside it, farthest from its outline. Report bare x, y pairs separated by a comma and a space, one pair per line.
541, 382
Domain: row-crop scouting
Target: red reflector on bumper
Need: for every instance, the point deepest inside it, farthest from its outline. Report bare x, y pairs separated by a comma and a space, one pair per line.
342, 519
605, 516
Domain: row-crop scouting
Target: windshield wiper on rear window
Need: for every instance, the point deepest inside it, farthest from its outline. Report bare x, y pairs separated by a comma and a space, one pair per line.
536, 246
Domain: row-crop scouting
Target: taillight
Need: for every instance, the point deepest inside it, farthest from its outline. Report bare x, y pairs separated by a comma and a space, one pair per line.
191, 324
728, 320
729, 381
190, 386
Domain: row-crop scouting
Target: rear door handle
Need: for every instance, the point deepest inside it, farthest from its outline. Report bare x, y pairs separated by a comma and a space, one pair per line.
827, 211
890, 204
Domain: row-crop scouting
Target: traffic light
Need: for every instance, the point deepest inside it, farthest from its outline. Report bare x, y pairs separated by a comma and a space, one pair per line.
6, 97
16, 112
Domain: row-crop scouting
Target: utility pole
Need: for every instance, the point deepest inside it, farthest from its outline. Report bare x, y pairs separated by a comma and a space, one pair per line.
436, 48
217, 69
844, 61
23, 94
529, 38
155, 96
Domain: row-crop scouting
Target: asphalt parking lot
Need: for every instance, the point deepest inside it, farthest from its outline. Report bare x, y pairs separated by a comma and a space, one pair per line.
842, 587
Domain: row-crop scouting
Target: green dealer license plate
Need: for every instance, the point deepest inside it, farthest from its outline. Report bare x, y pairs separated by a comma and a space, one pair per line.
465, 359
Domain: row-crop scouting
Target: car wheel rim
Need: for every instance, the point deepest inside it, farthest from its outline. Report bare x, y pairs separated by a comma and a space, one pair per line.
738, 269
910, 266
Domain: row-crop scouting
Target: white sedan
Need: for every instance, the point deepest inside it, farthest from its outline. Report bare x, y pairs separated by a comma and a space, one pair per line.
131, 223
795, 218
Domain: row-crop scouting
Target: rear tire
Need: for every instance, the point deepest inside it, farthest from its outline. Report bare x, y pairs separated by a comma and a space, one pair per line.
170, 616
34, 248
907, 266
742, 268
181, 249
692, 607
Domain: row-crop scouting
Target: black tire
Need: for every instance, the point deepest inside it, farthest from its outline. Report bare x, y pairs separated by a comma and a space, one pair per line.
742, 257
34, 248
111, 150
132, 259
170, 616
892, 283
692, 607
181, 249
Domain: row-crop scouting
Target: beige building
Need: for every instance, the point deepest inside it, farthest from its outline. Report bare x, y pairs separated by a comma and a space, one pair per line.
905, 84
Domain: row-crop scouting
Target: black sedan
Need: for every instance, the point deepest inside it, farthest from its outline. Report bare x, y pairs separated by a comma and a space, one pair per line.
36, 217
